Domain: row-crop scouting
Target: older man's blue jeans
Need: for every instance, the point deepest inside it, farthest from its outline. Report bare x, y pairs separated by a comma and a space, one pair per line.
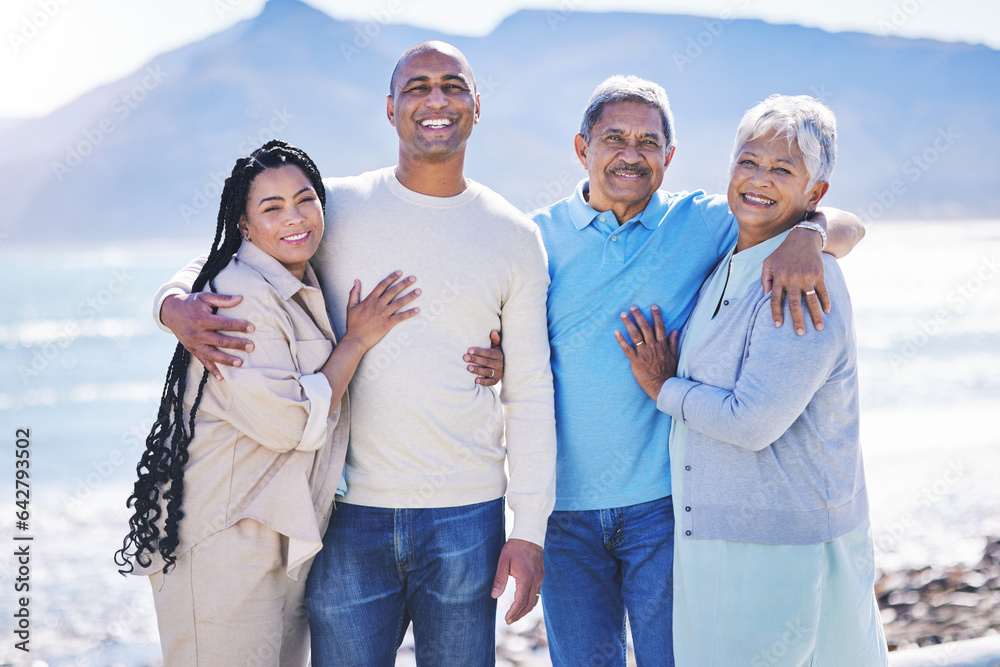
381, 567
600, 564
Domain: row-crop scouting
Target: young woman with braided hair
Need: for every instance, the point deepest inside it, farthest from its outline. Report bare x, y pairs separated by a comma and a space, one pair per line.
239, 477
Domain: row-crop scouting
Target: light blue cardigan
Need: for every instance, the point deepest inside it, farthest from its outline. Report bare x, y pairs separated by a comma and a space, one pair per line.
773, 453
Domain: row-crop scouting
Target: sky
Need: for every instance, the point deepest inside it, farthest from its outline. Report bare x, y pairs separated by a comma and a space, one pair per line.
53, 51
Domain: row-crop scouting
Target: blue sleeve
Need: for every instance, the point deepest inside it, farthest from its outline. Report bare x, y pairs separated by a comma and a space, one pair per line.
721, 223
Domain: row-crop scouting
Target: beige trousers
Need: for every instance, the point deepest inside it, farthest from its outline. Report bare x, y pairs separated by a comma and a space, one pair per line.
228, 602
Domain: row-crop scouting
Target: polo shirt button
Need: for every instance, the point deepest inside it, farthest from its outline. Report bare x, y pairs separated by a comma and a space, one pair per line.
614, 238
687, 509
602, 219
688, 533
687, 467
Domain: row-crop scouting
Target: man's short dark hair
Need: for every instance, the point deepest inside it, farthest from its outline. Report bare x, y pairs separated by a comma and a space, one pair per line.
620, 88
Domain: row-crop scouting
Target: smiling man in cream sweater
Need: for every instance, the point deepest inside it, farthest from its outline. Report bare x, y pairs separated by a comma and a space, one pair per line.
420, 532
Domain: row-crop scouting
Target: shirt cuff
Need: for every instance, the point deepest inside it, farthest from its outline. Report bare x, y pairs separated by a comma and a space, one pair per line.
158, 304
671, 396
317, 389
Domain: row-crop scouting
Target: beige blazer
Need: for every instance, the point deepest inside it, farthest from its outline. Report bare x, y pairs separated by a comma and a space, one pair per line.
263, 447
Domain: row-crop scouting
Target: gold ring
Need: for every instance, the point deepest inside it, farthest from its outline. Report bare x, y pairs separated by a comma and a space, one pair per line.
492, 373
810, 292
641, 342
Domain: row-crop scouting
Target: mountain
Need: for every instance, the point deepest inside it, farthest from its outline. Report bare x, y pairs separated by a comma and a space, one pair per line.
145, 157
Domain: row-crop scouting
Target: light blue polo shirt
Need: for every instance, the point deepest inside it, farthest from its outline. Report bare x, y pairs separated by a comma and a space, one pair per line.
612, 441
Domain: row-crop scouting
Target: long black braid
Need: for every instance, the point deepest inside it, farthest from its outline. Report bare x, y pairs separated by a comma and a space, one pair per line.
161, 468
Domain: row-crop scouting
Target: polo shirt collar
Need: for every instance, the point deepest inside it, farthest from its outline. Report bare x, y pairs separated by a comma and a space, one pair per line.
273, 271
582, 214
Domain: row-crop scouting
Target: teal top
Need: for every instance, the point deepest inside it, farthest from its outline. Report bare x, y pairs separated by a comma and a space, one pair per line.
727, 283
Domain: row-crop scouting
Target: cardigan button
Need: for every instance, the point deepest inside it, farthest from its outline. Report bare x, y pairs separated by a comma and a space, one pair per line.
688, 533
687, 509
687, 467
726, 302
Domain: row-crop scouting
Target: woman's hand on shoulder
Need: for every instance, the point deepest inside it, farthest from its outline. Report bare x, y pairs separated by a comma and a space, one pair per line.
369, 319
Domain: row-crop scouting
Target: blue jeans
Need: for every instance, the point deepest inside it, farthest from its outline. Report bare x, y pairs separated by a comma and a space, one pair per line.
600, 563
381, 567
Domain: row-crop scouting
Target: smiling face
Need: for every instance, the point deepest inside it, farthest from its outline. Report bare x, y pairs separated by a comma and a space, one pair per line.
769, 189
284, 217
625, 158
434, 104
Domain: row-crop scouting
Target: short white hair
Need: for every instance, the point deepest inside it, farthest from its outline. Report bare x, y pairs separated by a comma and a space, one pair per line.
807, 122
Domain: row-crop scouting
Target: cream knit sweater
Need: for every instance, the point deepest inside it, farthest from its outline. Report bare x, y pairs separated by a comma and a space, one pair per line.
423, 434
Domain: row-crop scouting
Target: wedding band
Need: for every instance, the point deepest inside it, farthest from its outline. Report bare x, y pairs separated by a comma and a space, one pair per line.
810, 292
492, 373
641, 342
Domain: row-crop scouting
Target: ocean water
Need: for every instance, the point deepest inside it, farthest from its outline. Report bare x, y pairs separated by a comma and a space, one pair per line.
82, 368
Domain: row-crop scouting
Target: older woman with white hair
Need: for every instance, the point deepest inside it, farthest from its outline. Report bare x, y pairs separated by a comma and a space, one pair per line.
774, 563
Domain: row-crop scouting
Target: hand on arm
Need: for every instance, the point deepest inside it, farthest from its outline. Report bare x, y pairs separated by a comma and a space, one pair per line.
796, 267
777, 379
272, 373
654, 357
523, 561
486, 363
197, 328
368, 321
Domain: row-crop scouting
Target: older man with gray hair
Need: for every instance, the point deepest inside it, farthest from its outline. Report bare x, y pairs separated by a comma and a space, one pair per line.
617, 241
